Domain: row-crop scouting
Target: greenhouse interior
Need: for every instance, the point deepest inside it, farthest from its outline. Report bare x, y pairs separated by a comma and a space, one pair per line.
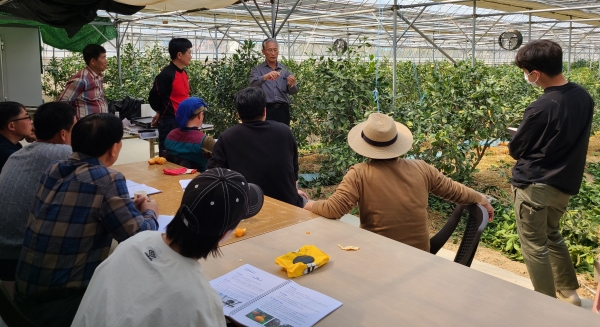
444, 70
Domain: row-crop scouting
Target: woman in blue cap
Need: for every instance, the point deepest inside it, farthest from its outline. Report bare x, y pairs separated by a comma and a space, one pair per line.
188, 142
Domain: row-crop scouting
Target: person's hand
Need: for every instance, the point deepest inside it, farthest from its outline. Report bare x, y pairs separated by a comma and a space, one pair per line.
291, 80
271, 75
302, 194
155, 119
488, 206
149, 204
31, 137
138, 200
308, 206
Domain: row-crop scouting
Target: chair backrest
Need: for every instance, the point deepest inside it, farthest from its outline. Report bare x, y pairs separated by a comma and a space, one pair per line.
476, 222
9, 312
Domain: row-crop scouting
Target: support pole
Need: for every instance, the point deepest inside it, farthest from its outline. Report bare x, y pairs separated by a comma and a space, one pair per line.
598, 66
273, 17
119, 54
494, 55
529, 35
394, 50
264, 19
288, 42
286, 18
427, 39
256, 20
570, 37
216, 41
473, 38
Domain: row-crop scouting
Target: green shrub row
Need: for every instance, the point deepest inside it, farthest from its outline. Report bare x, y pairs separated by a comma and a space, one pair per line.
454, 111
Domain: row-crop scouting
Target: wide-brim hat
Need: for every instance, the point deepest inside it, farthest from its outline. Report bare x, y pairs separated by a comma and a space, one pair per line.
380, 137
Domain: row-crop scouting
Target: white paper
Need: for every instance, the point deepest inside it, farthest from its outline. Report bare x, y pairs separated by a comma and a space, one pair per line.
242, 285
291, 305
133, 187
184, 183
163, 221
512, 131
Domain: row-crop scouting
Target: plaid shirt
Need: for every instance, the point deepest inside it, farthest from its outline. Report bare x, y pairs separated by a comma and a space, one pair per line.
78, 209
85, 93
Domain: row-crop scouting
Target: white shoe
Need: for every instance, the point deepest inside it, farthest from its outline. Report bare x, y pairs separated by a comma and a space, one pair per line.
569, 296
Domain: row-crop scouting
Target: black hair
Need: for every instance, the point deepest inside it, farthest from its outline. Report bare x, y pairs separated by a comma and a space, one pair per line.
92, 51
192, 245
267, 40
541, 55
95, 134
250, 103
9, 110
178, 45
52, 117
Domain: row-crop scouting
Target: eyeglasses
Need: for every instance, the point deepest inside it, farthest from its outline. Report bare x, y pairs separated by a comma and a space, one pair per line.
272, 50
27, 117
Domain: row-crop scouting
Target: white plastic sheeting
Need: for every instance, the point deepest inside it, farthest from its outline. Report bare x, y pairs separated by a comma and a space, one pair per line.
176, 5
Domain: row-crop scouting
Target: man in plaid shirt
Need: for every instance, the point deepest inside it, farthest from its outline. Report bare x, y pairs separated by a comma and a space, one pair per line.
80, 206
84, 90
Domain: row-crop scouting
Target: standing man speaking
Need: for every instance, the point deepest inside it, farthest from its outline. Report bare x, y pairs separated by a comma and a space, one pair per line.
276, 81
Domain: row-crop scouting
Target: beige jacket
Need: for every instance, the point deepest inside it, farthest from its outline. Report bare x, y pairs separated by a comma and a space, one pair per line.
392, 198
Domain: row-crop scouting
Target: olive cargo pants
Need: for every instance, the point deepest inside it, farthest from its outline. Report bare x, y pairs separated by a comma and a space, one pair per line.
538, 209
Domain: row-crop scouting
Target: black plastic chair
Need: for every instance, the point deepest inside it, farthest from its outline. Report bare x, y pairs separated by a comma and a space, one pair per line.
9, 312
478, 219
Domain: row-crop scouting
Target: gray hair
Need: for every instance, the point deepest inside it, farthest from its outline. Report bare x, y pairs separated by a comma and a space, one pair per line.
267, 40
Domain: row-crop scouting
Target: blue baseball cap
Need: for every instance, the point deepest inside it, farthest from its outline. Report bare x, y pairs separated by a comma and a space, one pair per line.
187, 108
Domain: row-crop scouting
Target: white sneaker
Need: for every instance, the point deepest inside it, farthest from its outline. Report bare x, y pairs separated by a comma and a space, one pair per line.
569, 296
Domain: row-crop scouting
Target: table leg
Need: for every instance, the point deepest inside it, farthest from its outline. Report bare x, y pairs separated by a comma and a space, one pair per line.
152, 151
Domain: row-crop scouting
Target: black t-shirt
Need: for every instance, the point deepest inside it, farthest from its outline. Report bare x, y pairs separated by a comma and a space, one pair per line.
551, 143
6, 149
265, 153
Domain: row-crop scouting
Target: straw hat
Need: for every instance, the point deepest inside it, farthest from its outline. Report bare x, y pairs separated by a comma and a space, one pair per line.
380, 137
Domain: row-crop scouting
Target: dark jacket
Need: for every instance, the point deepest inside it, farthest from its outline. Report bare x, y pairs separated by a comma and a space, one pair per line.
266, 153
551, 143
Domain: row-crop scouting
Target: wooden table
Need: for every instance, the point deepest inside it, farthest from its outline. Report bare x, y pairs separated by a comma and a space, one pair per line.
273, 215
387, 283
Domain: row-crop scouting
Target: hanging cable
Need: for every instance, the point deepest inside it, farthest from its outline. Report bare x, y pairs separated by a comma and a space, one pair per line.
376, 92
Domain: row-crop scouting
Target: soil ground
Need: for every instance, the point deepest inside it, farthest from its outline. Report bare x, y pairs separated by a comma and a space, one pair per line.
494, 175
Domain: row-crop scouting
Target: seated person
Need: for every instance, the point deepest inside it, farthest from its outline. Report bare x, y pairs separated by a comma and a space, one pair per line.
264, 151
155, 279
392, 192
20, 178
187, 142
15, 125
80, 206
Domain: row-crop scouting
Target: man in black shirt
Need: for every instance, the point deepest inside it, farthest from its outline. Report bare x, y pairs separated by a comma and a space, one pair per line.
550, 146
15, 125
263, 151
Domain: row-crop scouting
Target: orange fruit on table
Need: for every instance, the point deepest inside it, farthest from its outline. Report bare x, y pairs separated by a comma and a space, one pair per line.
239, 232
152, 161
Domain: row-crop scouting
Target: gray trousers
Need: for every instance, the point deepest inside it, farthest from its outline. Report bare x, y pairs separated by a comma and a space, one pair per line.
538, 209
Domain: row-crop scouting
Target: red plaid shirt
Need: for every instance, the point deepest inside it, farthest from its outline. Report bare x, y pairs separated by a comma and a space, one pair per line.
85, 93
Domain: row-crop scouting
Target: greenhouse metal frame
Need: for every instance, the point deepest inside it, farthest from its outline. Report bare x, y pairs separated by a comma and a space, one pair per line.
414, 30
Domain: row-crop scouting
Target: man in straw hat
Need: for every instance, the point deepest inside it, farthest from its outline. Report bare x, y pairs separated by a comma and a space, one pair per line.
155, 279
392, 192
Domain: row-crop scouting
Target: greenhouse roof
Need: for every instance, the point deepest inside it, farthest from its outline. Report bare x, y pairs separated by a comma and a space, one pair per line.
310, 26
